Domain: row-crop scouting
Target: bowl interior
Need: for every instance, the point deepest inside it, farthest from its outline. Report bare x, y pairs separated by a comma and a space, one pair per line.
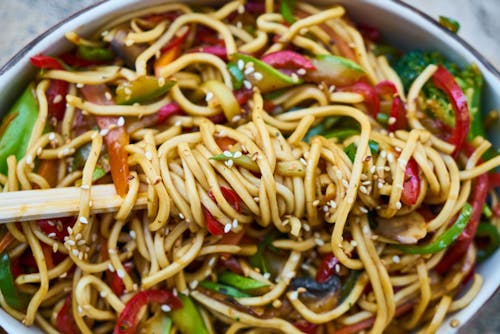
399, 24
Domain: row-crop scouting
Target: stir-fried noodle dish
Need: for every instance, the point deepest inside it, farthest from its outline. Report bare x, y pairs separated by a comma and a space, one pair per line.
280, 170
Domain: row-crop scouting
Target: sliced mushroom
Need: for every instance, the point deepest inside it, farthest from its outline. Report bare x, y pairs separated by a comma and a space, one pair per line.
407, 229
319, 297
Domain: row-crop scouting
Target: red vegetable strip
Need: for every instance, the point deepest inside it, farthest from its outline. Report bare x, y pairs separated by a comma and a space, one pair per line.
116, 138
116, 282
287, 59
6, 241
57, 226
368, 32
168, 110
370, 96
459, 248
213, 225
46, 62
56, 98
216, 50
128, 319
411, 185
65, 322
398, 111
445, 81
305, 326
326, 268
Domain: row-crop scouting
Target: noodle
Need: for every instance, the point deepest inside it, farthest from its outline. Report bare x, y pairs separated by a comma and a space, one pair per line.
281, 202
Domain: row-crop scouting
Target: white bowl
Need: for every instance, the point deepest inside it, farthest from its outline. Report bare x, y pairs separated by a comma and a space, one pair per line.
400, 25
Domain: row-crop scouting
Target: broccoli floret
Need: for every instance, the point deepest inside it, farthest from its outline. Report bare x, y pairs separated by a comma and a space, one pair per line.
411, 64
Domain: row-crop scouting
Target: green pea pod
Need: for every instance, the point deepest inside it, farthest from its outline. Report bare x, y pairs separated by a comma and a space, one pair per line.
286, 8
17, 126
242, 283
9, 291
93, 53
445, 239
188, 318
489, 234
224, 289
141, 90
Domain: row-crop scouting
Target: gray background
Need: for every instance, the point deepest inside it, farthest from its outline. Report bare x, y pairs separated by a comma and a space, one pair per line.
22, 20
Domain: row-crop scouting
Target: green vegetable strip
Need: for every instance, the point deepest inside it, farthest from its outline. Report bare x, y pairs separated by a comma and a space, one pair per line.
286, 8
95, 53
224, 289
240, 282
445, 239
489, 232
17, 134
188, 318
9, 291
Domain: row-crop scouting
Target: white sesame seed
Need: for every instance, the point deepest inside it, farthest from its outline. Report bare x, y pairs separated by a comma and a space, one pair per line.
51, 235
391, 120
75, 252
52, 136
165, 308
373, 169
247, 84
319, 242
390, 157
398, 205
258, 76
85, 187
303, 161
80, 309
325, 208
83, 220
331, 89
29, 159
132, 234
120, 273
111, 268
237, 154
363, 189
241, 64
241, 9
294, 295
338, 173
104, 132
306, 227
81, 242
363, 209
345, 183
161, 81
235, 223
229, 163
366, 229
209, 96
227, 154
79, 85
332, 203
103, 293
383, 154
78, 236
267, 275
301, 71
294, 77
193, 284
354, 243
249, 70
212, 261
337, 268
70, 242
148, 155
402, 163
396, 259
108, 96
181, 216
112, 251
120, 121
227, 228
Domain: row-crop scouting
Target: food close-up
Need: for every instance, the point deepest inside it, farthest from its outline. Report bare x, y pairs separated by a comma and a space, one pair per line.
247, 167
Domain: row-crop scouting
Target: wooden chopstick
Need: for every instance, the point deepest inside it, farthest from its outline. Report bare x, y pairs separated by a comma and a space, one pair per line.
59, 202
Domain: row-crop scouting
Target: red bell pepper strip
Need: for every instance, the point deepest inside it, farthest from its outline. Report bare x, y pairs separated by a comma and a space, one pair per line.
368, 32
46, 62
168, 110
398, 111
445, 81
254, 7
116, 139
225, 143
65, 322
216, 50
57, 228
370, 96
74, 60
326, 268
128, 319
494, 180
56, 98
459, 248
115, 281
411, 185
213, 226
305, 326
287, 59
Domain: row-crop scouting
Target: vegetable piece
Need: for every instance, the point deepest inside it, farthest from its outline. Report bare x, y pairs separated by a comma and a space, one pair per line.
167, 111
405, 229
411, 185
471, 81
305, 326
47, 62
170, 53
56, 98
444, 80
65, 322
213, 225
222, 96
487, 240
349, 283
288, 60
370, 96
351, 149
56, 227
216, 50
241, 282
81, 156
458, 250
326, 268
236, 75
449, 23
116, 282
94, 53
143, 89
224, 289
188, 318
398, 111
269, 78
335, 70
128, 319
319, 297
17, 126
286, 8
9, 290
158, 324
116, 138
341, 134
6, 241
445, 239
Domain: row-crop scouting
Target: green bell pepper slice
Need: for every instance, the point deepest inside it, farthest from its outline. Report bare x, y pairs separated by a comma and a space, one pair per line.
93, 53
10, 292
286, 8
242, 283
445, 239
17, 126
489, 232
141, 90
224, 289
188, 318
158, 324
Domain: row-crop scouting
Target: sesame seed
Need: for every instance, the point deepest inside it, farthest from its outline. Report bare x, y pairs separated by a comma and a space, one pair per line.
294, 295
337, 268
108, 96
396, 259
237, 154
120, 273
104, 132
315, 202
258, 76
319, 242
193, 284
331, 89
363, 189
51, 235
354, 243
70, 242
148, 155
383, 154
398, 205
161, 81
165, 308
78, 236
235, 223
249, 70
85, 187
332, 203
29, 159
209, 96
303, 161
391, 120
345, 183
79, 85
402, 163
83, 220
241, 9
338, 173
120, 121
229, 163
301, 71
112, 251
75, 252
80, 309
366, 229
227, 154
132, 234
390, 157
325, 208
227, 228
81, 242
212, 261
295, 77
103, 293
306, 227
111, 268
247, 84
181, 216
266, 275
363, 209
241, 64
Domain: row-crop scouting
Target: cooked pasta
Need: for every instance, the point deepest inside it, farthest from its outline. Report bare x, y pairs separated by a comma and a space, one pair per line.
297, 178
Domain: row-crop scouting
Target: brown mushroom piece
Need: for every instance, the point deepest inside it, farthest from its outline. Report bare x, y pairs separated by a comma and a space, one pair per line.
319, 297
406, 229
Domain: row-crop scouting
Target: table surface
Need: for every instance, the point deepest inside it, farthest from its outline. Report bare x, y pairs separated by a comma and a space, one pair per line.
22, 20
